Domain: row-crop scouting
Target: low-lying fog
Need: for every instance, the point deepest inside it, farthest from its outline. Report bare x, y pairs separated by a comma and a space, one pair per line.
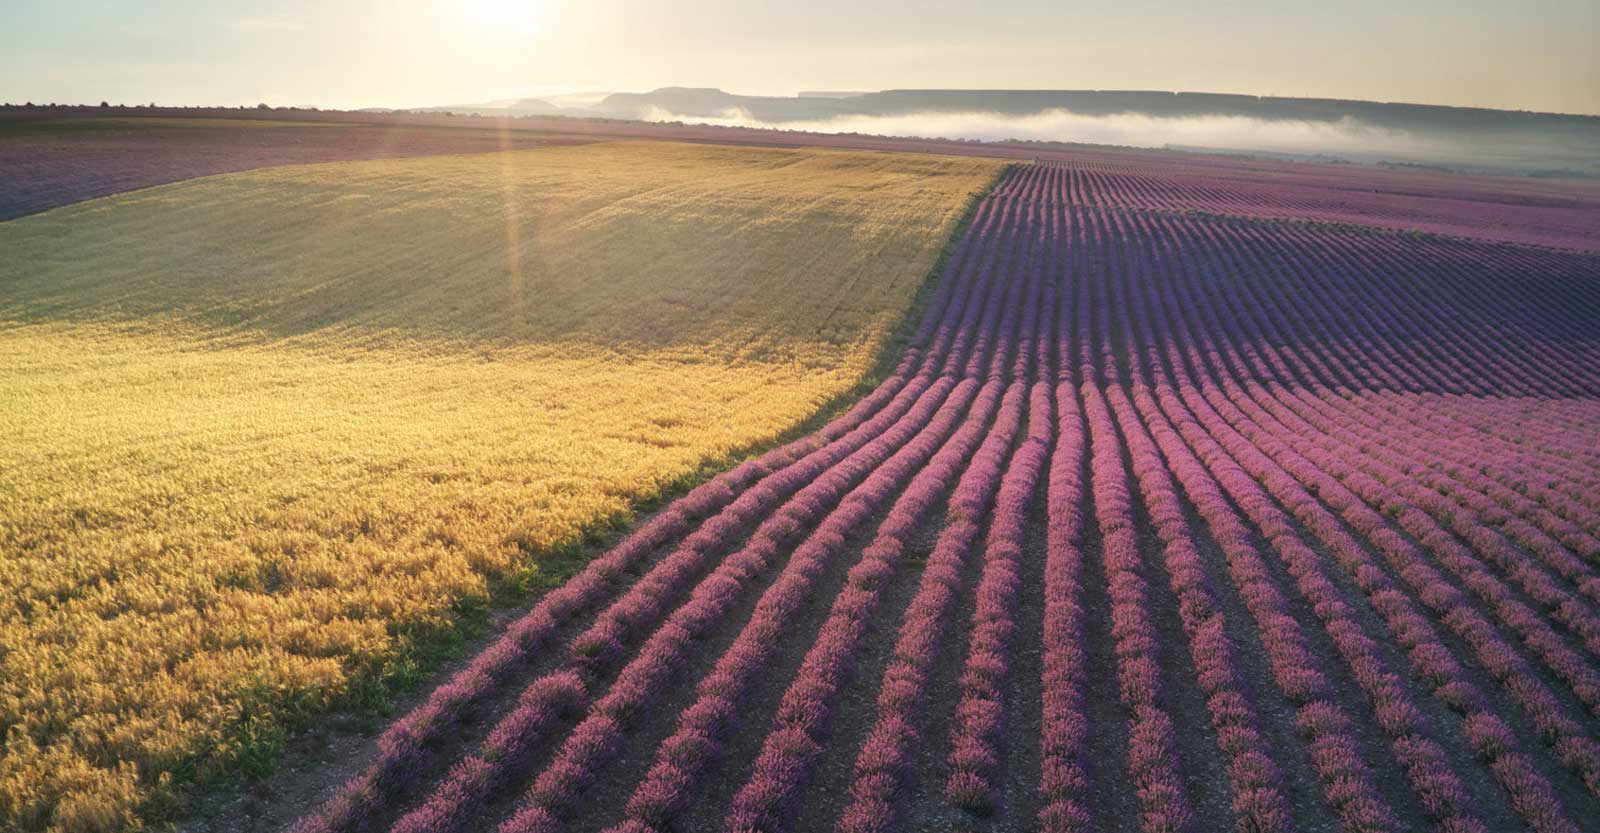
1344, 138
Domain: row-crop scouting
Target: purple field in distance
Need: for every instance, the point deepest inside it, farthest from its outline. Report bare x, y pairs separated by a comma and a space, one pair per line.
65, 155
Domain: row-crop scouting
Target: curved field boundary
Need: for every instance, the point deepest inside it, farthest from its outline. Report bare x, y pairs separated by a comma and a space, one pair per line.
1166, 521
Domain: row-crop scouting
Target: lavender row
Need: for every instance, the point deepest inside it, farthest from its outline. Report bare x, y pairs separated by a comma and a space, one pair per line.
1429, 657
1263, 318
1293, 667
1437, 786
602, 644
799, 729
783, 766
683, 758
1346, 777
1258, 801
1501, 450
1575, 749
976, 730
1521, 469
1262, 455
1527, 784
1381, 486
882, 765
599, 739
1152, 754
405, 749
1231, 398
1507, 503
1534, 630
979, 720
1468, 505
1064, 725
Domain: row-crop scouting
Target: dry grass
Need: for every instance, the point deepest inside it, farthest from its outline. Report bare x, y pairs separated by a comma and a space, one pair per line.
265, 435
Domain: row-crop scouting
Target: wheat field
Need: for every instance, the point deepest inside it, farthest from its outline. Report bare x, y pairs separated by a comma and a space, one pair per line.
266, 437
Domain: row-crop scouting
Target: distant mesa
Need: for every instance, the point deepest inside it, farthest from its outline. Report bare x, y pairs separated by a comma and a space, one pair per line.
813, 105
706, 102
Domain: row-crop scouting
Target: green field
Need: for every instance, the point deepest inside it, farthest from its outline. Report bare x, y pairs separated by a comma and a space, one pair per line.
265, 436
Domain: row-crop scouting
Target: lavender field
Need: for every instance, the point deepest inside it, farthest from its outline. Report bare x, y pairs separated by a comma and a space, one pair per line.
529, 416
1185, 510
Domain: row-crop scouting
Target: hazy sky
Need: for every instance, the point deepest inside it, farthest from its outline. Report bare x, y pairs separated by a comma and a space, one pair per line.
1522, 54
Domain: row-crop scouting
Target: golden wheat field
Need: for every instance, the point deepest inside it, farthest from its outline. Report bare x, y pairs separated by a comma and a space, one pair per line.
265, 437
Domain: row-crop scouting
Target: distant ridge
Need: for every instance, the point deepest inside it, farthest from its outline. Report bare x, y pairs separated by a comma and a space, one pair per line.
1461, 138
830, 93
707, 102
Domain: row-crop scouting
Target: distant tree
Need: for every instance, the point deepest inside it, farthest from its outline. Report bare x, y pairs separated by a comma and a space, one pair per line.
263, 106
104, 105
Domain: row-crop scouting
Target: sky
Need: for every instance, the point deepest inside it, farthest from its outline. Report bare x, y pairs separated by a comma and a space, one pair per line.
1527, 54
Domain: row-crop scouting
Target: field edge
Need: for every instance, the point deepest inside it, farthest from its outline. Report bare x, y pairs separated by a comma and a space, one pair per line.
409, 676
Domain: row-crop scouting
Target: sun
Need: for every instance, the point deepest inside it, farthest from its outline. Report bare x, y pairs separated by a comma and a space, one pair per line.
503, 18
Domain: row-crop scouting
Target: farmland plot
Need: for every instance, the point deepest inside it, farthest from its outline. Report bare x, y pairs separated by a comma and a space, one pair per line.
51, 162
266, 437
1165, 521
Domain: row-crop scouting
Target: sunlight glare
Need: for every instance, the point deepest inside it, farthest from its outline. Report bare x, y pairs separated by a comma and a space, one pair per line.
502, 18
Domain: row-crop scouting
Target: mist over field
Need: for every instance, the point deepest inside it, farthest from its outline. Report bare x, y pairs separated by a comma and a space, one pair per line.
1475, 139
1463, 138
1347, 137
1130, 130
